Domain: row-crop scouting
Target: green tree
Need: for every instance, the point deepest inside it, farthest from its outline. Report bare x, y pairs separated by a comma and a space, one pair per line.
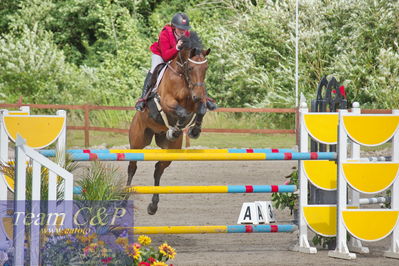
33, 67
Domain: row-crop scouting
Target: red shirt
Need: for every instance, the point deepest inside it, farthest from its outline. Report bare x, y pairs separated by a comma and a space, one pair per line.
166, 44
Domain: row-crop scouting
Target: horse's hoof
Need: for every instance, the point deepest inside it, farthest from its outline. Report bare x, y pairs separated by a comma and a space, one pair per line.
173, 134
169, 135
211, 105
194, 132
152, 209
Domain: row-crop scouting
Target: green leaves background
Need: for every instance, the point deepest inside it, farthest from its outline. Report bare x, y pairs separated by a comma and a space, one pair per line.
96, 51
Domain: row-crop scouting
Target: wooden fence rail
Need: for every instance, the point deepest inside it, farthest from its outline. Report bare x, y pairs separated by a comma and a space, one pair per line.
87, 108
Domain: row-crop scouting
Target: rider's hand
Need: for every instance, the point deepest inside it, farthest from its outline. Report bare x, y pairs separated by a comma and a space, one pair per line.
179, 45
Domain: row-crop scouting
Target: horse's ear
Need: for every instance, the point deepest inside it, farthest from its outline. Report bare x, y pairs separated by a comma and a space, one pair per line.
206, 52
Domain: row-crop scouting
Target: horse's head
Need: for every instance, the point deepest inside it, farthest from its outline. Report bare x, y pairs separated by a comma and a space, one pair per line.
192, 59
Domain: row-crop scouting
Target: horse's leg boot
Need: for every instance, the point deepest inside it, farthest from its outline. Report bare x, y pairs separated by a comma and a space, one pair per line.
211, 104
140, 105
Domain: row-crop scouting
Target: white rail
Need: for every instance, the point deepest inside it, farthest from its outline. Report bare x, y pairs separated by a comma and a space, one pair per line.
22, 152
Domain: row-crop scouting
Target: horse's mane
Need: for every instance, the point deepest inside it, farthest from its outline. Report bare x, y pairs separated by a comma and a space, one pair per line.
192, 41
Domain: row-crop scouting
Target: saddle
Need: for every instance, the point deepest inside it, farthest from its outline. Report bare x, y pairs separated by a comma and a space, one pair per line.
157, 76
154, 83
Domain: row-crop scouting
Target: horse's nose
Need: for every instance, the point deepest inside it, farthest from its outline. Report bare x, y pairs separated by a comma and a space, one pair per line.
196, 98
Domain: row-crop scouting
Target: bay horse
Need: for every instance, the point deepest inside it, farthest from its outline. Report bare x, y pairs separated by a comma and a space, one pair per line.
181, 96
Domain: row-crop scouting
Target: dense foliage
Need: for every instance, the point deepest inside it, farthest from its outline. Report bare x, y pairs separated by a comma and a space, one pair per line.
96, 51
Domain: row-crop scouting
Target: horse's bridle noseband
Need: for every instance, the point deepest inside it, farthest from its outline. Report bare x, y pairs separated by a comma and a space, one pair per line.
185, 69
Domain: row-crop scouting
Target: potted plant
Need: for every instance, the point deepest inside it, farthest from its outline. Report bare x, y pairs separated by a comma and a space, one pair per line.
288, 200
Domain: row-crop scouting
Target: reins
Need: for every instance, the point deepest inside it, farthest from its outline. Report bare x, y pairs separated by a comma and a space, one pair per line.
185, 75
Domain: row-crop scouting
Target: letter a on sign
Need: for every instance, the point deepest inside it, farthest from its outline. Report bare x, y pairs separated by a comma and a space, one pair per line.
248, 214
260, 214
267, 210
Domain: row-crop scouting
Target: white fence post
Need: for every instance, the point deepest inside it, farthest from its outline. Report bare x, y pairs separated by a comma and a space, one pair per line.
304, 245
38, 160
19, 203
393, 252
3, 156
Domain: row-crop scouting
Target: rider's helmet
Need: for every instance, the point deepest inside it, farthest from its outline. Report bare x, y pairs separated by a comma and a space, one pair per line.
181, 21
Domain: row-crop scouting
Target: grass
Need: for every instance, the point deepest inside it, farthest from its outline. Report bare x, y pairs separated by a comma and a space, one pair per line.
75, 139
249, 120
222, 140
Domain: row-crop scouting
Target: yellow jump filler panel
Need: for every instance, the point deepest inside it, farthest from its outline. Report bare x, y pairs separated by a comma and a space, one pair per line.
369, 177
322, 127
371, 130
322, 219
370, 225
39, 131
322, 174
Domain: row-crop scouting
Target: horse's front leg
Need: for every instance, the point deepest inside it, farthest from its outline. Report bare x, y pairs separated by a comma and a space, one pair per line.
195, 131
139, 137
182, 114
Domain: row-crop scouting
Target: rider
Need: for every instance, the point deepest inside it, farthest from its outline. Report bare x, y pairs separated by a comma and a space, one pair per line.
165, 49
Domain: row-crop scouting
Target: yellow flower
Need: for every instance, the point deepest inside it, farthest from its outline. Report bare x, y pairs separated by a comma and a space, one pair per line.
159, 263
132, 251
83, 238
104, 252
122, 241
86, 239
167, 250
101, 243
144, 240
92, 236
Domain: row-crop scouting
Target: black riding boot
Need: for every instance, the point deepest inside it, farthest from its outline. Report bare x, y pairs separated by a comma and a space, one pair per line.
140, 105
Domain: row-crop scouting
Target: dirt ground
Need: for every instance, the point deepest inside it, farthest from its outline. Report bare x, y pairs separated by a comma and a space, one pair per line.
223, 209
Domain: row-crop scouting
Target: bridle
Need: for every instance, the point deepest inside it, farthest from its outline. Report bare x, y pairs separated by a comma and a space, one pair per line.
185, 75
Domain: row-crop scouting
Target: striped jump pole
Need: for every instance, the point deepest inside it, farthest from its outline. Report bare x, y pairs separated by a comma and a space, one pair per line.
218, 229
211, 189
52, 153
375, 200
204, 189
202, 156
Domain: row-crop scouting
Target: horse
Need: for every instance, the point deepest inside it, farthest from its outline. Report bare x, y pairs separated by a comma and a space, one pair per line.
181, 102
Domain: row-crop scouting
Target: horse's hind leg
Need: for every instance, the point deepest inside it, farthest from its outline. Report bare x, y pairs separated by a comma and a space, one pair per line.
160, 168
138, 140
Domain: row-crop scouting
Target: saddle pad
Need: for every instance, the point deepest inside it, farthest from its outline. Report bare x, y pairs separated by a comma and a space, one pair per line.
159, 78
